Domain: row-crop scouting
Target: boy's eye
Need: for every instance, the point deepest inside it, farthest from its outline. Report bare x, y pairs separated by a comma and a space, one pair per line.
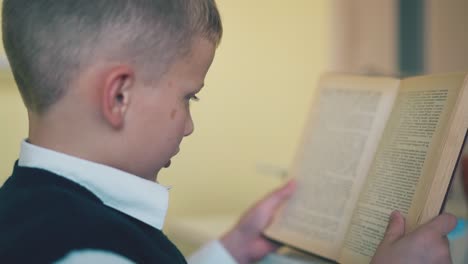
190, 98
194, 98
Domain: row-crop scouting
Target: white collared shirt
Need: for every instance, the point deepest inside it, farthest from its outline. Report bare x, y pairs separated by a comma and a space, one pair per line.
142, 199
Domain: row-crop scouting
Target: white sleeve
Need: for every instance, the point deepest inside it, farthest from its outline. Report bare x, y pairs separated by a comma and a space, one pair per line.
212, 253
93, 256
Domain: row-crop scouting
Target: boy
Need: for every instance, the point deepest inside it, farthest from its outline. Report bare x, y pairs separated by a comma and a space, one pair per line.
107, 85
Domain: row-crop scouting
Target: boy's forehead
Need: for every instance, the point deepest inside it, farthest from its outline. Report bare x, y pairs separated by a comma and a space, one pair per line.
187, 70
198, 58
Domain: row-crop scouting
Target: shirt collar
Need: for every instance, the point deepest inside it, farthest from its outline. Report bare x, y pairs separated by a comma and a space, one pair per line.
142, 199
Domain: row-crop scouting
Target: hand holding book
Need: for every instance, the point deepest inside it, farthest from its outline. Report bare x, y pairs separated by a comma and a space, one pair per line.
427, 244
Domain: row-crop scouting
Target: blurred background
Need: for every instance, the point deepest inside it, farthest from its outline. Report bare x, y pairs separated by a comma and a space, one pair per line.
257, 94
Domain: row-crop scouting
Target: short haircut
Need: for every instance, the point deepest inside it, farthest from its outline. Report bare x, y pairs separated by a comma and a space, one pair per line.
48, 42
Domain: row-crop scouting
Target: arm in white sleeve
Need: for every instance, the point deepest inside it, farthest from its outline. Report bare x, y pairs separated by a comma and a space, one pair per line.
212, 253
93, 256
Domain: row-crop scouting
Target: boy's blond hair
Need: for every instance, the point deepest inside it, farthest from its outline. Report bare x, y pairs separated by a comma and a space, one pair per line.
49, 42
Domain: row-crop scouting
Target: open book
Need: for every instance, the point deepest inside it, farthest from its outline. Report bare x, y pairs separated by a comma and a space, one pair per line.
372, 145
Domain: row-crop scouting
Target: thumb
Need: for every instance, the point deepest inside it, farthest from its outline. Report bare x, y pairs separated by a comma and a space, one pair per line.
281, 194
273, 200
395, 229
442, 224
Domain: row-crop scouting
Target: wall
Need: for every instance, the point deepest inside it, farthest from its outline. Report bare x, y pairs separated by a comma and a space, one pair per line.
447, 39
13, 123
364, 36
13, 118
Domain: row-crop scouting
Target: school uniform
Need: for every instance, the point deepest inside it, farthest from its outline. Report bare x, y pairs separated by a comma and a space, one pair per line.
59, 208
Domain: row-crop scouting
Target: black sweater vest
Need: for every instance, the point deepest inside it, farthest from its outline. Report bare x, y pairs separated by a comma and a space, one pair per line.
44, 216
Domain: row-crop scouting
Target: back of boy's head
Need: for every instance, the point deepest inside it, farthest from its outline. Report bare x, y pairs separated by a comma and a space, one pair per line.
48, 42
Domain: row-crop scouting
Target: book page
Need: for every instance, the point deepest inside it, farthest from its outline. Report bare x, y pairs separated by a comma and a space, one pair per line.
408, 148
443, 151
345, 124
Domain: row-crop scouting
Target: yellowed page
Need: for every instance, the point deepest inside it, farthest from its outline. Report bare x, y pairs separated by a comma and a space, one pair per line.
340, 139
444, 150
407, 159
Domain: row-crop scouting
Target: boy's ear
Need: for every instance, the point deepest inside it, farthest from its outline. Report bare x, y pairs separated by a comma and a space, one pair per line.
116, 93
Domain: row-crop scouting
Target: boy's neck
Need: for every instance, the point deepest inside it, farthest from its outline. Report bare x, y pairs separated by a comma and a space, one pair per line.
74, 137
